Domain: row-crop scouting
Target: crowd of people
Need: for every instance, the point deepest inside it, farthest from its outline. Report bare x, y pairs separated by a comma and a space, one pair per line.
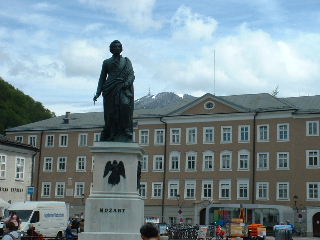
75, 225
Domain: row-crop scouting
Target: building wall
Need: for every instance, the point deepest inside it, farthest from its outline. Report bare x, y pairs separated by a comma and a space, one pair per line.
297, 175
13, 189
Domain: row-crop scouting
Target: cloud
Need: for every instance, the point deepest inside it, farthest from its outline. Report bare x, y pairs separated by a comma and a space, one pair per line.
136, 13
188, 25
81, 59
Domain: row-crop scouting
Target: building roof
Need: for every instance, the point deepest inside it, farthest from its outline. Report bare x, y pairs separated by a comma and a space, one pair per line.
243, 103
9, 142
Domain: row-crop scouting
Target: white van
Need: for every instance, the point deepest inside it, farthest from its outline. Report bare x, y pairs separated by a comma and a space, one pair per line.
49, 218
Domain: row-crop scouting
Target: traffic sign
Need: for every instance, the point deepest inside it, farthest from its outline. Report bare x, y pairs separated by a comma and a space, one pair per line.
30, 190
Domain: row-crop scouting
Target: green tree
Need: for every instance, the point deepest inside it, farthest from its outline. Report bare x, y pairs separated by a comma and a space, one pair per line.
17, 109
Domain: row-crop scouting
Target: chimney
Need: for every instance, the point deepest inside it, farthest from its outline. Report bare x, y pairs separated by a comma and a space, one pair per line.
67, 118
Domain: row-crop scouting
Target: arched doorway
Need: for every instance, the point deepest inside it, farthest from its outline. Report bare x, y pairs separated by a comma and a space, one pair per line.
203, 216
316, 224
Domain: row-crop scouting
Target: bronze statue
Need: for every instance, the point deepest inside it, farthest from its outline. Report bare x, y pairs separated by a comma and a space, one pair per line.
116, 85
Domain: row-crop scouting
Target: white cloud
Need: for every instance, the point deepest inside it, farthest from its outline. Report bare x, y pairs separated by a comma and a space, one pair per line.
136, 13
82, 59
187, 25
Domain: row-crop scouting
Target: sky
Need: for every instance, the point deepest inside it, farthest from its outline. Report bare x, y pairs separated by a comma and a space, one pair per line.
53, 50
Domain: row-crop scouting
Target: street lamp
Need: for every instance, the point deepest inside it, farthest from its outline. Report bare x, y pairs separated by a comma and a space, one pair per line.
179, 206
295, 199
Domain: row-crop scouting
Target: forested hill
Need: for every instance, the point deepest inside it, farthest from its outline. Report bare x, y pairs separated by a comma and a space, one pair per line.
17, 109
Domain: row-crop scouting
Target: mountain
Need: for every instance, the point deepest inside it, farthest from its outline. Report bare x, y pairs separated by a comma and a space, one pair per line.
160, 100
17, 109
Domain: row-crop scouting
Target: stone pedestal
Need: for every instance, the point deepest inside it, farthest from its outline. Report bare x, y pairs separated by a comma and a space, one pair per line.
114, 212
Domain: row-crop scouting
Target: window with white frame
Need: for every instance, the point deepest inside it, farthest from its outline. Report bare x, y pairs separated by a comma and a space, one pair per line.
144, 163
244, 133
159, 136
175, 135
19, 138
144, 137
83, 139
174, 161
63, 140
263, 161
3, 164
191, 161
46, 189
60, 189
81, 163
173, 189
191, 135
283, 191
263, 133
143, 189
79, 190
226, 160
313, 191
262, 192
32, 140
313, 158
96, 137
225, 189
20, 168
49, 140
62, 164
243, 189
207, 186
283, 132
226, 134
243, 160
47, 164
283, 160
208, 135
208, 161
158, 162
190, 189
157, 190
312, 128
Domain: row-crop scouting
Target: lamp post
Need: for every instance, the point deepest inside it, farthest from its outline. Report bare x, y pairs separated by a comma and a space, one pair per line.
180, 210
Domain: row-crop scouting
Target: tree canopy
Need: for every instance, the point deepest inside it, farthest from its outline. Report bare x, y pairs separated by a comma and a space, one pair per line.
17, 109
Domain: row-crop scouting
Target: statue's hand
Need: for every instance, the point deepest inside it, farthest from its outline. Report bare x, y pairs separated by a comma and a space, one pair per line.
95, 97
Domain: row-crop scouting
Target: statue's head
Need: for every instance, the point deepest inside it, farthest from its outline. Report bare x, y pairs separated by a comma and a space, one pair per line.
116, 47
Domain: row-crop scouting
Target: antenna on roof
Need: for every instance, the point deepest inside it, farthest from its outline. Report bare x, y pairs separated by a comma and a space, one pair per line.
214, 72
149, 93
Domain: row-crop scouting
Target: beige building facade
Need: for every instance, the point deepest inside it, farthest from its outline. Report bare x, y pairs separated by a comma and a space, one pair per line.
16, 161
204, 159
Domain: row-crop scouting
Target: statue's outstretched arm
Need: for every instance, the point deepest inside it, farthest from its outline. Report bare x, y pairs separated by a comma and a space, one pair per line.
103, 76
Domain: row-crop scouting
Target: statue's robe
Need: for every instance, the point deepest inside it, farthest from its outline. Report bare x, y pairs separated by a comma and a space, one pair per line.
116, 85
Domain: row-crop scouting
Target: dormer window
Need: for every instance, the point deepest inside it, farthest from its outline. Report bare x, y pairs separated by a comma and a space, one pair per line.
209, 105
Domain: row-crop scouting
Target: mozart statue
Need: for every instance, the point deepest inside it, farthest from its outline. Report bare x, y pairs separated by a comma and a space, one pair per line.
116, 85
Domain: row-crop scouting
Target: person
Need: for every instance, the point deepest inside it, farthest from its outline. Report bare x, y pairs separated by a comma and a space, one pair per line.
81, 225
32, 234
10, 232
116, 85
14, 218
149, 232
75, 224
69, 233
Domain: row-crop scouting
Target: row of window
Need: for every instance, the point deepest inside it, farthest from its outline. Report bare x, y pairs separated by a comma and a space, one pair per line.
63, 139
208, 161
19, 167
312, 129
61, 191
81, 164
262, 190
